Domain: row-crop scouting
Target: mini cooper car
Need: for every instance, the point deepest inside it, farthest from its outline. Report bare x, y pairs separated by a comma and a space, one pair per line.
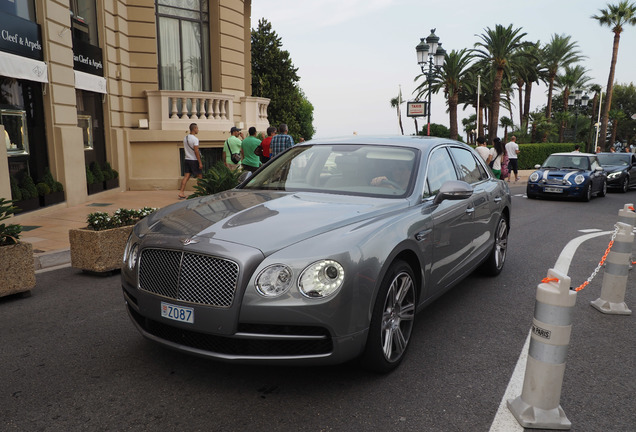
324, 255
568, 175
620, 169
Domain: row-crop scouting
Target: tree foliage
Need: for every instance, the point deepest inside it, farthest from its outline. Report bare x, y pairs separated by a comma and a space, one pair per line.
275, 77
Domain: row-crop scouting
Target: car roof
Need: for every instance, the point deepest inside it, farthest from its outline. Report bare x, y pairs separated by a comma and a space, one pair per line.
422, 142
573, 154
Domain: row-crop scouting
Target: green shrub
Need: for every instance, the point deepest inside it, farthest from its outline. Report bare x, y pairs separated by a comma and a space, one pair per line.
16, 193
217, 179
90, 178
115, 174
28, 188
97, 172
534, 154
54, 185
9, 234
108, 171
99, 221
43, 189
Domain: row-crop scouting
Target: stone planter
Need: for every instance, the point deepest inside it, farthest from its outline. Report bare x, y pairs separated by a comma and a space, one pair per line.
17, 273
98, 251
52, 198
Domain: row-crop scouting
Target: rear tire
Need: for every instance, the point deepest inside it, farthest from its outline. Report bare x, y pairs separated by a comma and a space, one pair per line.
392, 320
603, 190
497, 258
625, 186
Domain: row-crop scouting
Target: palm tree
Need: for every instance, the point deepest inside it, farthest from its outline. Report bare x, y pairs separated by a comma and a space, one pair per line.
470, 124
616, 115
395, 103
452, 77
596, 89
615, 17
506, 122
498, 47
556, 54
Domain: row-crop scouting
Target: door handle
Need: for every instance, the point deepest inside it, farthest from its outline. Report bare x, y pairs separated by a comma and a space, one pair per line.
498, 199
470, 210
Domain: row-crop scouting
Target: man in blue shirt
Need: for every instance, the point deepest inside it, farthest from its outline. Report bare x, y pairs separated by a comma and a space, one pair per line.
280, 142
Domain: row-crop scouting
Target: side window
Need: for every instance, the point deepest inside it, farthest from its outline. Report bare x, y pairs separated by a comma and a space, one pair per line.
467, 166
440, 170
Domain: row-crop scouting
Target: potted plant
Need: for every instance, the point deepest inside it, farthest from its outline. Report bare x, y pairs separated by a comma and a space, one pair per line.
99, 248
26, 196
50, 191
111, 177
93, 184
17, 272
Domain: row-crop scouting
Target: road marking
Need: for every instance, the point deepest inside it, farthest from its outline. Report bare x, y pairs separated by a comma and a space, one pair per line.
590, 230
504, 421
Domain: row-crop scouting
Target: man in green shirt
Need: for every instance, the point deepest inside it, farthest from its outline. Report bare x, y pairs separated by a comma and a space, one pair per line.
250, 162
231, 146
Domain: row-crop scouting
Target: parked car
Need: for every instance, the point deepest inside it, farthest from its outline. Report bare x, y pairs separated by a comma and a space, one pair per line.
620, 169
568, 175
325, 254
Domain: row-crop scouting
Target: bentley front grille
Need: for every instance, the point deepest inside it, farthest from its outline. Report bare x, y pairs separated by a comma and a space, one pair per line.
188, 277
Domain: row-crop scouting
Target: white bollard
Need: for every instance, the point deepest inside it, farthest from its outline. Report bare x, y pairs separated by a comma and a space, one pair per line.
628, 216
538, 406
612, 299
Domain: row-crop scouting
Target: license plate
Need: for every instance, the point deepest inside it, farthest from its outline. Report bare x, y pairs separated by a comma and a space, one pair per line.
553, 190
177, 313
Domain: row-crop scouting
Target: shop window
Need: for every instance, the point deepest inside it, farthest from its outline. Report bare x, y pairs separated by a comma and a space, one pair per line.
84, 21
15, 137
183, 38
22, 8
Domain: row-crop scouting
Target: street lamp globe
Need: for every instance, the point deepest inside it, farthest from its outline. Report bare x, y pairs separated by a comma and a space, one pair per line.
432, 40
439, 56
584, 100
422, 52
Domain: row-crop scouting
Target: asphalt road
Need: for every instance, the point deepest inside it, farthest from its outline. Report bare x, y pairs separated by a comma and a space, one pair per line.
71, 360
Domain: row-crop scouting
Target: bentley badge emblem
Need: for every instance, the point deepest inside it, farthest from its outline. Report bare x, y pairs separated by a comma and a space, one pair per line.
189, 241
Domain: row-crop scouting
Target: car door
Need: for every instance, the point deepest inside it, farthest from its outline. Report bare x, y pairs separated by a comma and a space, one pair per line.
598, 177
452, 223
485, 204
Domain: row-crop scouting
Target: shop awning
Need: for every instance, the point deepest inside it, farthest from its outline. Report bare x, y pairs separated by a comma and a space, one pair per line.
86, 81
14, 66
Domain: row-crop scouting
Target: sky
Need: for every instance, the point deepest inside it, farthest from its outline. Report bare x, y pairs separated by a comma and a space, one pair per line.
353, 56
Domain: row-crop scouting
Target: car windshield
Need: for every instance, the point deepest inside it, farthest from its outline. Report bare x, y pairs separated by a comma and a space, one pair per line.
573, 161
363, 170
614, 159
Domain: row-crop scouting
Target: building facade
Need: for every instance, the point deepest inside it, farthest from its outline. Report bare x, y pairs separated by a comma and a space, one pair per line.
88, 84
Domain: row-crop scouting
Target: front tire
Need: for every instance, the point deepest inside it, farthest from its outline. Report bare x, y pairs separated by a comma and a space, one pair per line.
625, 187
497, 258
392, 320
603, 190
587, 193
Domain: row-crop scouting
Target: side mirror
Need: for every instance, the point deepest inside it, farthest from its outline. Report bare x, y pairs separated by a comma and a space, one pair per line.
453, 190
245, 176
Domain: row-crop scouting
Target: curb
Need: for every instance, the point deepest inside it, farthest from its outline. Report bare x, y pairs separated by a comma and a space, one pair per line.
51, 259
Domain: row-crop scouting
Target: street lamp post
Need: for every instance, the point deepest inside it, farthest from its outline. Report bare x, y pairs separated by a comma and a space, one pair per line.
577, 100
430, 51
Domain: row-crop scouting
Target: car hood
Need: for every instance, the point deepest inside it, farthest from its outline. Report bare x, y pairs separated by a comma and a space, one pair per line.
266, 220
555, 173
612, 168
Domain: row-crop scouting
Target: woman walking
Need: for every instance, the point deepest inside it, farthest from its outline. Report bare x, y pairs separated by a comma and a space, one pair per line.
497, 153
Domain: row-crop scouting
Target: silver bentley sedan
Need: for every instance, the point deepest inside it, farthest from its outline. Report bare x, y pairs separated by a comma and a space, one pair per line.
324, 255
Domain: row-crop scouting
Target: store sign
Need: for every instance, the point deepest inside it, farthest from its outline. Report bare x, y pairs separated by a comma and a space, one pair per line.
416, 109
87, 58
20, 36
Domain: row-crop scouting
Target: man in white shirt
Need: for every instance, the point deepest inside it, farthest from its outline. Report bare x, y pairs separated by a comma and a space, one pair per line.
483, 151
193, 164
512, 150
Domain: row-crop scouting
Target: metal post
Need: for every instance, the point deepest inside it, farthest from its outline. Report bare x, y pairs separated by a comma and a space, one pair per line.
430, 81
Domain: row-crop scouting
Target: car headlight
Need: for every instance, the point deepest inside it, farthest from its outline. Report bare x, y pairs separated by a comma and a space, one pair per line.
615, 174
534, 177
274, 280
321, 279
131, 255
580, 178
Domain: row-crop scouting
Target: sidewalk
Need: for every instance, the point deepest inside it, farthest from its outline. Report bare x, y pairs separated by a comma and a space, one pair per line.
47, 229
